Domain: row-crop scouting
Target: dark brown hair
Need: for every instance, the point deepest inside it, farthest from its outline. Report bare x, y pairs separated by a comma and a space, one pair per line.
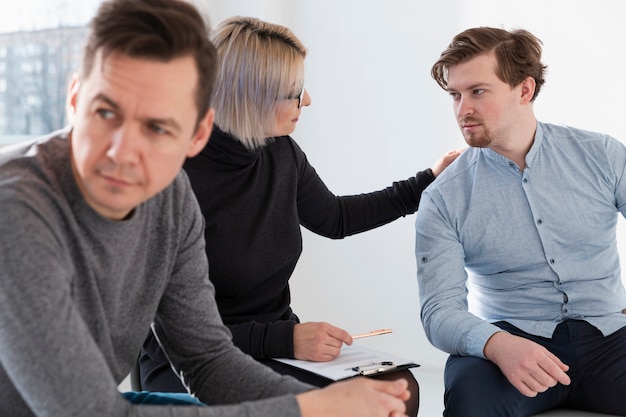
518, 54
160, 30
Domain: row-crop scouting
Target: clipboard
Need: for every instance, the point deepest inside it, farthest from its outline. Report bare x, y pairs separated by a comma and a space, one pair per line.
353, 361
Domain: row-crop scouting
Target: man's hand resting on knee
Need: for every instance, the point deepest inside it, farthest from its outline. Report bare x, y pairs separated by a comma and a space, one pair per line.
530, 367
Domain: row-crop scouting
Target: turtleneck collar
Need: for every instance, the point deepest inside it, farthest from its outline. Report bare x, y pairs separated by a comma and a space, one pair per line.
226, 148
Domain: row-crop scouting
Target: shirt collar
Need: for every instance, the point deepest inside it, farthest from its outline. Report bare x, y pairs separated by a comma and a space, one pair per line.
530, 156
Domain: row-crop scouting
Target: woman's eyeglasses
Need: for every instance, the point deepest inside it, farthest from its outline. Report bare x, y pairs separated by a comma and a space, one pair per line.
299, 97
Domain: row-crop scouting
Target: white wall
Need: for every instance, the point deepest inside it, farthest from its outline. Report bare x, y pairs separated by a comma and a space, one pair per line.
377, 116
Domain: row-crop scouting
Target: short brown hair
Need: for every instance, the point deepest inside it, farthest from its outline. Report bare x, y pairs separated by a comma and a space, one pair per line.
518, 54
160, 30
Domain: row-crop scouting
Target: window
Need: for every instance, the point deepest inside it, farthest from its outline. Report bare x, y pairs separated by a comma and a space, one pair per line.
40, 47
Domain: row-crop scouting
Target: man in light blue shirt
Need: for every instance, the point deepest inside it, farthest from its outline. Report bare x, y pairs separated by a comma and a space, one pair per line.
518, 269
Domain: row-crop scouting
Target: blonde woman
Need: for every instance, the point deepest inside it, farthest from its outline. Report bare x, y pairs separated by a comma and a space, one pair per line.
256, 188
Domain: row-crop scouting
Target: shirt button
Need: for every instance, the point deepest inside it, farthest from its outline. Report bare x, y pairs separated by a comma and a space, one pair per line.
511, 164
525, 180
565, 298
552, 261
539, 221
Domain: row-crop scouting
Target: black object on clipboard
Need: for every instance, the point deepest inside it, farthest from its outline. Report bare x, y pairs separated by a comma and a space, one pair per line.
381, 368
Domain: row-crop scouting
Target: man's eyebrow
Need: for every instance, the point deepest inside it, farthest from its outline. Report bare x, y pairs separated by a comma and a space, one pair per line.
167, 121
171, 123
469, 87
477, 86
109, 101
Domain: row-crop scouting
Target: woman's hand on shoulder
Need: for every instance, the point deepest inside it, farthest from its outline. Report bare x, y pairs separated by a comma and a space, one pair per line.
447, 158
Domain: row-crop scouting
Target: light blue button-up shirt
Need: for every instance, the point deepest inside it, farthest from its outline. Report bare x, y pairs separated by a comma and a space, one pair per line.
533, 247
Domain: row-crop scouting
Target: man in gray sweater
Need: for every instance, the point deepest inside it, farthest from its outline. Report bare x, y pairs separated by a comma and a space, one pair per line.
100, 236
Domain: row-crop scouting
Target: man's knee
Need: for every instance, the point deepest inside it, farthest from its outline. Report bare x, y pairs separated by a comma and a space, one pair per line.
477, 387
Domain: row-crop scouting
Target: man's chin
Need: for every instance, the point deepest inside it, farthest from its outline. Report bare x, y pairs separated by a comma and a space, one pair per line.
477, 142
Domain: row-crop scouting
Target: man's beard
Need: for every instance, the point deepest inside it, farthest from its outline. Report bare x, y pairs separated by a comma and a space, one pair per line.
480, 139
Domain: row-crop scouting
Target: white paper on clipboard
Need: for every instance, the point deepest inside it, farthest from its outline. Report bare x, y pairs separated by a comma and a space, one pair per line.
352, 361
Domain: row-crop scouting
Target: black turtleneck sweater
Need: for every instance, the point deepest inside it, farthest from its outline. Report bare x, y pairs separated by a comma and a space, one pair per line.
254, 203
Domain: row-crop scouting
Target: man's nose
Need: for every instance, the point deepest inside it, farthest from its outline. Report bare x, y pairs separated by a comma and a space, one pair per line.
464, 107
123, 148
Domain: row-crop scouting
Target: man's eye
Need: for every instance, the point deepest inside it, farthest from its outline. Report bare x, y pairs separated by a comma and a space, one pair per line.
478, 91
105, 114
159, 130
455, 96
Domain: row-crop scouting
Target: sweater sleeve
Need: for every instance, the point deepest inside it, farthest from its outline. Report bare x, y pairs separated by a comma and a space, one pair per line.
336, 217
46, 350
265, 340
200, 347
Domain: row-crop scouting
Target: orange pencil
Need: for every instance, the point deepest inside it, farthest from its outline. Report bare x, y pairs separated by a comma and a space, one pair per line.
372, 333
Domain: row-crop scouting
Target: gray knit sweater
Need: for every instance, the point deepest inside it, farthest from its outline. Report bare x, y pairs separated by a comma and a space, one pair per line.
78, 293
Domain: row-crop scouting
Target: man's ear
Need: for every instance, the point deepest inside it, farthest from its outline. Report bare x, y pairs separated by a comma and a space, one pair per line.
528, 90
72, 98
203, 132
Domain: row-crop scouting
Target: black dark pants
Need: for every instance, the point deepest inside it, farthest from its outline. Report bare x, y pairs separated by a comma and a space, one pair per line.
597, 368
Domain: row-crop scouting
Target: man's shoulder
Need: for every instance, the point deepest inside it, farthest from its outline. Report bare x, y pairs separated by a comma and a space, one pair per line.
57, 136
552, 131
576, 141
41, 150
40, 163
458, 172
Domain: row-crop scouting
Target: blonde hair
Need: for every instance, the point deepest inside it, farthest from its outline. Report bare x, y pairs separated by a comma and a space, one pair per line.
259, 63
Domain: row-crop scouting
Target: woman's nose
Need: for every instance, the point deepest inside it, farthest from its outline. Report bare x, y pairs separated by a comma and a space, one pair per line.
306, 98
